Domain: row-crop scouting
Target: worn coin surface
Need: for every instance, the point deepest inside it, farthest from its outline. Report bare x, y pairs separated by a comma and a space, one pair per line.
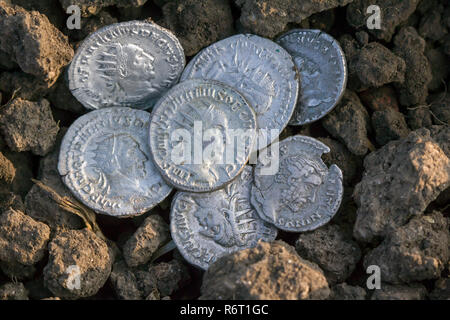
304, 194
105, 161
258, 68
206, 226
201, 135
323, 72
128, 64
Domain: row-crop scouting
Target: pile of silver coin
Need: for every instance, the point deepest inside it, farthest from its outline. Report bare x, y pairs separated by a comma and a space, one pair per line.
209, 129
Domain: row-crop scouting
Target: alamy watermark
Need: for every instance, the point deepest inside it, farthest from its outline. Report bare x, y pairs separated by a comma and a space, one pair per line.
374, 280
216, 146
74, 21
73, 281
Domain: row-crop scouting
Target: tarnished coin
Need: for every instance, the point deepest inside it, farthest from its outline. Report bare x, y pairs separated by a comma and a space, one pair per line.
206, 226
201, 135
128, 64
258, 68
105, 161
304, 194
323, 72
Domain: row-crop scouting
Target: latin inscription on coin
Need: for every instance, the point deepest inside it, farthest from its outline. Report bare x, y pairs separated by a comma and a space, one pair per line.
127, 64
323, 72
105, 161
201, 135
258, 68
206, 226
304, 194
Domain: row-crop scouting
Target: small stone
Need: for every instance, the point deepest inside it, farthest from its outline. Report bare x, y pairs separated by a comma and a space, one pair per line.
333, 251
124, 282
400, 180
198, 23
7, 170
39, 203
62, 98
269, 18
400, 292
77, 251
28, 126
11, 200
389, 125
22, 239
47, 7
23, 162
153, 233
441, 290
154, 295
147, 283
349, 122
267, 272
170, 276
393, 13
415, 252
14, 270
322, 20
362, 37
344, 291
23, 85
440, 67
13, 291
47, 49
409, 46
374, 66
378, 99
431, 26
343, 158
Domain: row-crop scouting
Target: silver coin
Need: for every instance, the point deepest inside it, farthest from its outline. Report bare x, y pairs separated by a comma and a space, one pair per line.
128, 64
206, 226
323, 72
258, 68
105, 161
304, 194
201, 135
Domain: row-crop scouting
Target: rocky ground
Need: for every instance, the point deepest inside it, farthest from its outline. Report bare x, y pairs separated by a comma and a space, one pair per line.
390, 135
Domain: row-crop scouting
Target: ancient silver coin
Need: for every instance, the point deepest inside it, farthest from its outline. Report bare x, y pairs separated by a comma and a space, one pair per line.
206, 226
258, 68
105, 162
128, 64
201, 135
304, 194
323, 72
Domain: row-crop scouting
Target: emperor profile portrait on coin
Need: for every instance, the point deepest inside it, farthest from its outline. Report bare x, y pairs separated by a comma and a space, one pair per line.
304, 194
206, 226
105, 162
128, 64
258, 68
201, 135
321, 63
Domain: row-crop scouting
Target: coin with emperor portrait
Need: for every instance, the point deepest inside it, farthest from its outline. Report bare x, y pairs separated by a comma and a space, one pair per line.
201, 135
207, 226
105, 162
128, 64
303, 194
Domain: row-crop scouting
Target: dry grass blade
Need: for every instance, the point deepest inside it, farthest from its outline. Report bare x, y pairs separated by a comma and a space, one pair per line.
74, 207
169, 246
